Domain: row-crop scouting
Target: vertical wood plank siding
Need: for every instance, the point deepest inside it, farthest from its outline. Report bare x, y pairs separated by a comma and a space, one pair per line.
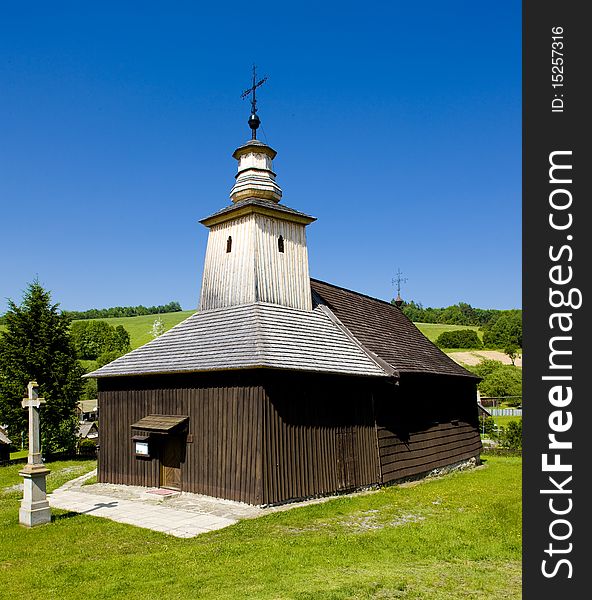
255, 270
222, 460
303, 420
429, 422
265, 437
282, 277
229, 277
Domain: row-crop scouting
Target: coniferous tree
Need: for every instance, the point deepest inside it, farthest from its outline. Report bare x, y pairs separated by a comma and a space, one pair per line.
36, 346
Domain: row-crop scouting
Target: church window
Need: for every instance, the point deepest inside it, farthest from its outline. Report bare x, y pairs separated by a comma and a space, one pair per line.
229, 244
281, 243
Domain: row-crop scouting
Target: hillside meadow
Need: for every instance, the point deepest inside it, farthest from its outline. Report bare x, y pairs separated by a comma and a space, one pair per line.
139, 327
457, 536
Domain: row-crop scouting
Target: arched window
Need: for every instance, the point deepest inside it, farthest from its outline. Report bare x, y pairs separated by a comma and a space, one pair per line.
281, 243
229, 244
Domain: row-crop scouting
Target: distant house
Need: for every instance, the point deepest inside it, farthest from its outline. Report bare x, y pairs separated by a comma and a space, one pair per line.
5, 444
87, 410
483, 412
88, 430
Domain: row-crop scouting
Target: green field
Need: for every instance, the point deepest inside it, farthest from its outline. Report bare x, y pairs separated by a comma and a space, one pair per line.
139, 327
19, 454
447, 538
433, 330
503, 421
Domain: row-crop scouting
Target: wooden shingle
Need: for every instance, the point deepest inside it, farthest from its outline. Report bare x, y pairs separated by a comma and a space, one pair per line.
258, 335
160, 422
382, 328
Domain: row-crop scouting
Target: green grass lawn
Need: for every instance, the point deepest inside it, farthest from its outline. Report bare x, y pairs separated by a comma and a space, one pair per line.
503, 420
448, 538
19, 454
433, 330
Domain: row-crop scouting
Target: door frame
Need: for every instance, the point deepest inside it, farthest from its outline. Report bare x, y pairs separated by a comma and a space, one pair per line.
166, 442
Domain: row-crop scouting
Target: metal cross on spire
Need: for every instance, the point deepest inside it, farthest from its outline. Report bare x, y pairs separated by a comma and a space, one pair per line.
254, 120
398, 280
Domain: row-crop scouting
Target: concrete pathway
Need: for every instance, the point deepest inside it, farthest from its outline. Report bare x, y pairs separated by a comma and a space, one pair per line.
183, 515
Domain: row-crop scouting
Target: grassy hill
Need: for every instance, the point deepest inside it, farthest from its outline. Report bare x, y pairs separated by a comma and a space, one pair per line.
433, 330
139, 327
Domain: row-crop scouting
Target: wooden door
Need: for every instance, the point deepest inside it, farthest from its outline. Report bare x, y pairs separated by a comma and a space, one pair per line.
346, 460
170, 463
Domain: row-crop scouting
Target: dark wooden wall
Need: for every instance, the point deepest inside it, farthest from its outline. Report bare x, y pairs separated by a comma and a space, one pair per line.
265, 437
319, 436
223, 456
424, 423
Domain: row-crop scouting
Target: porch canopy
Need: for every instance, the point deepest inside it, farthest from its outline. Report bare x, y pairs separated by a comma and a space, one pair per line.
160, 423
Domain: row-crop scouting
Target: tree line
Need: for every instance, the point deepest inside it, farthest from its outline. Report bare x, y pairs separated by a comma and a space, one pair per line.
457, 314
504, 333
122, 311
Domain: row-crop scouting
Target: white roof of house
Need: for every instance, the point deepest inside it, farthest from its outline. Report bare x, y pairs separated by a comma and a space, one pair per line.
4, 439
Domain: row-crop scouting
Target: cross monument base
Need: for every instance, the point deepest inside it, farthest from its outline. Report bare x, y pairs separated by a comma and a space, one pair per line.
34, 508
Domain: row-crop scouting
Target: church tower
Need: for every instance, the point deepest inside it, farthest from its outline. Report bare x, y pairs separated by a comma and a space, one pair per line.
256, 248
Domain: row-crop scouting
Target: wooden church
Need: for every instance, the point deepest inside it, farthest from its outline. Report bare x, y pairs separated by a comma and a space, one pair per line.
280, 386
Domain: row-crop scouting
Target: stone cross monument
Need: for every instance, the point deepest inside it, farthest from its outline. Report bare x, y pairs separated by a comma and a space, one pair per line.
34, 506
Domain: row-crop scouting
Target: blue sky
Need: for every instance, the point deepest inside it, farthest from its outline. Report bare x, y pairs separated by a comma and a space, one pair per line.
397, 124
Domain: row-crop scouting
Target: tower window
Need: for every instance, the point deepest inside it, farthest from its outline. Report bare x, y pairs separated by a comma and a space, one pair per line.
229, 244
281, 243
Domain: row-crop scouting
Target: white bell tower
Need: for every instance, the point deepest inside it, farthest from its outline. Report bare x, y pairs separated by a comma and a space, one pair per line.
256, 248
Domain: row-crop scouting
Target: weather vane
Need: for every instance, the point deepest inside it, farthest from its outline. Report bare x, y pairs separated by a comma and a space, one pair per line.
254, 120
398, 280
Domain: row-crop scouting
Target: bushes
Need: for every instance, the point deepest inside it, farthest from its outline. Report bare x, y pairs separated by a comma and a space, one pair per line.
499, 380
511, 436
486, 425
505, 332
457, 314
462, 338
505, 381
93, 338
87, 447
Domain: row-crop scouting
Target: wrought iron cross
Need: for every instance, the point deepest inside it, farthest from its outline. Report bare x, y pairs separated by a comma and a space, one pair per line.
254, 120
398, 280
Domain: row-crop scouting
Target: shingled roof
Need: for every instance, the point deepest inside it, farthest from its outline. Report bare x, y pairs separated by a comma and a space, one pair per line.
384, 330
251, 336
261, 204
347, 333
